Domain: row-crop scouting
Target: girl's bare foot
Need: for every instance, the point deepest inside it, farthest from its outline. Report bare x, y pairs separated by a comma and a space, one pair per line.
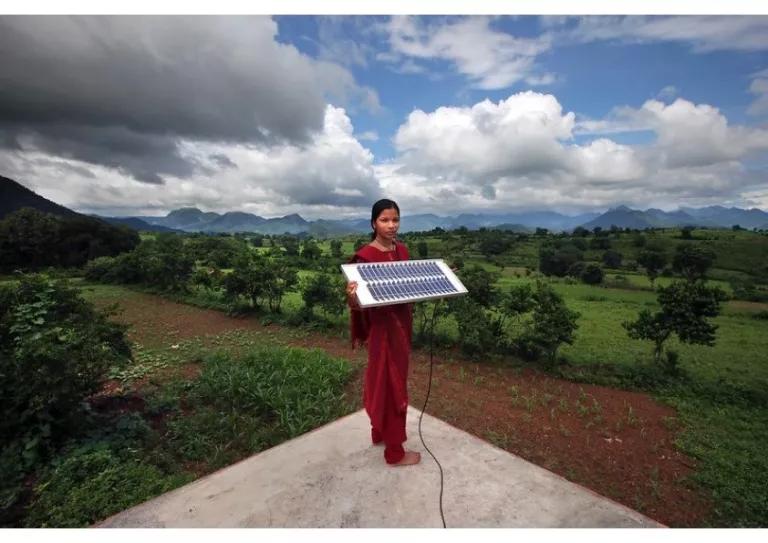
409, 459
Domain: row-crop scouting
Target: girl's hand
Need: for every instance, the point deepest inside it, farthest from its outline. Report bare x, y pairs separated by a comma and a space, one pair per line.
351, 294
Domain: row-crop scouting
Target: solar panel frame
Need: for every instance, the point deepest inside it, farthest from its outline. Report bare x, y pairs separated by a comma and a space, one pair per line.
402, 282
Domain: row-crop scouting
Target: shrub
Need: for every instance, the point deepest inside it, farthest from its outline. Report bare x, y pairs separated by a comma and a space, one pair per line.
93, 482
592, 274
55, 350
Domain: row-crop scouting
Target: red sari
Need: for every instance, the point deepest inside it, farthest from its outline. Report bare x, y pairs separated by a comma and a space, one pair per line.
387, 330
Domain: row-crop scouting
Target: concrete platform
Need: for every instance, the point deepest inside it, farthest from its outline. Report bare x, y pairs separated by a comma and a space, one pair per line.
333, 477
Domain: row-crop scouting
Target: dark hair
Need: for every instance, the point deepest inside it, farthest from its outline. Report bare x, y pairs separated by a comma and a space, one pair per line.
376, 210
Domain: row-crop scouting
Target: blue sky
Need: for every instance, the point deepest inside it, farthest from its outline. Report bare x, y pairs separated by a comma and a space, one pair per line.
321, 115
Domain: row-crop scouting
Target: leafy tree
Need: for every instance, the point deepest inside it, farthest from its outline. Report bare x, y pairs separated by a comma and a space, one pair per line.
166, 262
553, 323
686, 232
324, 291
291, 245
600, 243
311, 250
580, 232
479, 283
592, 274
423, 249
653, 262
685, 308
612, 259
692, 261
558, 261
336, 248
639, 241
31, 239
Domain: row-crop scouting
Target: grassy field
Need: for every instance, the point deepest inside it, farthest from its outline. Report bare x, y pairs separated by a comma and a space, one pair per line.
721, 403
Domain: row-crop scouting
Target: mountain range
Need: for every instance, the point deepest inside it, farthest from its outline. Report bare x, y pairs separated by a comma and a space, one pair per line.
14, 196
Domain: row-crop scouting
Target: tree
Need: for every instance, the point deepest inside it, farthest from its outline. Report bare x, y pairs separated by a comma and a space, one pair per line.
423, 249
686, 232
580, 232
336, 248
310, 250
653, 262
612, 259
558, 261
592, 274
692, 261
325, 291
553, 323
685, 308
600, 243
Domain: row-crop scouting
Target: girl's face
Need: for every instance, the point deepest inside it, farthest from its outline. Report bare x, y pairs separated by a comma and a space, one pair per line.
387, 223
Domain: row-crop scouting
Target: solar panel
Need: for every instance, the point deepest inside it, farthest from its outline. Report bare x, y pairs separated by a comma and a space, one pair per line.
388, 283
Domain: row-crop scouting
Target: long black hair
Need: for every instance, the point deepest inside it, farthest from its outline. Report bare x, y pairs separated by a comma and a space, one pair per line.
376, 210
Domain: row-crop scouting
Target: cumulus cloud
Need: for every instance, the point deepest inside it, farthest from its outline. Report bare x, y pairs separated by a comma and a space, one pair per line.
123, 91
491, 59
521, 153
330, 175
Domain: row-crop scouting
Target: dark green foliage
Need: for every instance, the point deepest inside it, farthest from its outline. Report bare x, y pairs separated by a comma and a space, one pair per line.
165, 262
217, 251
553, 323
685, 308
55, 350
480, 333
580, 243
558, 261
600, 243
310, 250
612, 259
290, 245
336, 248
93, 482
325, 291
592, 274
261, 280
299, 389
480, 285
31, 239
692, 261
423, 249
653, 262
580, 232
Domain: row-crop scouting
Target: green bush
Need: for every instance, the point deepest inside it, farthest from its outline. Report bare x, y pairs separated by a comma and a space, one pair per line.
93, 482
55, 350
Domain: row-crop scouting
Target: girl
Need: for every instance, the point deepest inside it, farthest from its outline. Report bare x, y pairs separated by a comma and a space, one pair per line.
387, 330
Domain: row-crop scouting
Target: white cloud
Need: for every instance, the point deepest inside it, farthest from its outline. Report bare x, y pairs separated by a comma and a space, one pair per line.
698, 135
704, 33
520, 153
759, 87
489, 58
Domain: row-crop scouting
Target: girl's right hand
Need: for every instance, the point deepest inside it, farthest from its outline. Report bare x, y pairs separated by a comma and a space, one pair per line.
351, 294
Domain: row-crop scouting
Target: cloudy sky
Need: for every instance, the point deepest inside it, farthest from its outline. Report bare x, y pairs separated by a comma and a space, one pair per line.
322, 115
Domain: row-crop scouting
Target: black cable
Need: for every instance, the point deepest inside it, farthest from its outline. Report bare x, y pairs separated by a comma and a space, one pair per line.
429, 387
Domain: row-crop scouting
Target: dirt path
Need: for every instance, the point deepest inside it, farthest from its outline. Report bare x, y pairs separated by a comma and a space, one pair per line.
619, 444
